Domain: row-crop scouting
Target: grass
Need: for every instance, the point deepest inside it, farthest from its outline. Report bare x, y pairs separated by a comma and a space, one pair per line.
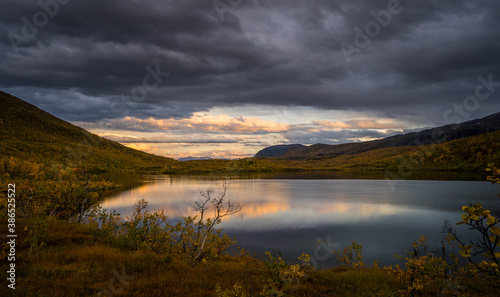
75, 263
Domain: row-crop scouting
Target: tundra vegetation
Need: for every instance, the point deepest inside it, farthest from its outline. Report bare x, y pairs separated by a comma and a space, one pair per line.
71, 246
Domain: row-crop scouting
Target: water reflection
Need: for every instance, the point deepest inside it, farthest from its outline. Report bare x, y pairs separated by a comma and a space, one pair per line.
290, 215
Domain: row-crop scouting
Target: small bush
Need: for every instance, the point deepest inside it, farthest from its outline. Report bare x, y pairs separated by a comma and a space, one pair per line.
37, 236
424, 271
195, 239
282, 276
350, 256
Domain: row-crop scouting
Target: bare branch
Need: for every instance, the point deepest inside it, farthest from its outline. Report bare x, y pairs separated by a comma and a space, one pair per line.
220, 208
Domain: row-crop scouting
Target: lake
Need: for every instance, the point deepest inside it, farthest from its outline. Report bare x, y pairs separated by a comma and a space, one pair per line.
290, 213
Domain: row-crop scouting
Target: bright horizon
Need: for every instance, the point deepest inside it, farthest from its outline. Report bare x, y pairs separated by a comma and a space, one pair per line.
222, 134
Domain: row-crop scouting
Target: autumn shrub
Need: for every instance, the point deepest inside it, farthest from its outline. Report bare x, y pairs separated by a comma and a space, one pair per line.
483, 253
103, 223
55, 192
194, 239
349, 257
235, 291
37, 235
423, 271
281, 277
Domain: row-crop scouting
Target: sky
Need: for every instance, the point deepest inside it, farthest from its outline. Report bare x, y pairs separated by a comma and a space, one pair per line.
226, 78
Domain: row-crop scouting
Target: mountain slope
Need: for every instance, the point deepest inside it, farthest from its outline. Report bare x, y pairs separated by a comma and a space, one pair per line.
276, 150
29, 133
469, 154
429, 136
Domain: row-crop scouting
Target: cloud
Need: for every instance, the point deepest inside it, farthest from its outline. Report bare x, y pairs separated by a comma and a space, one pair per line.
330, 124
90, 60
280, 52
313, 135
143, 147
363, 124
198, 122
170, 139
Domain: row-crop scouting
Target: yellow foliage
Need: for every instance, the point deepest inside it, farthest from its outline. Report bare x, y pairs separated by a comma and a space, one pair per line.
422, 272
236, 291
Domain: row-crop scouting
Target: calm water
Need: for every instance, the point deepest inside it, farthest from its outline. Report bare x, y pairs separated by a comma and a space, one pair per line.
291, 215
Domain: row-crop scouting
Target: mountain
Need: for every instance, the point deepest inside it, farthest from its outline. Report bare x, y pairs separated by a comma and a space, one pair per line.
470, 154
30, 136
429, 136
29, 133
276, 150
205, 158
193, 158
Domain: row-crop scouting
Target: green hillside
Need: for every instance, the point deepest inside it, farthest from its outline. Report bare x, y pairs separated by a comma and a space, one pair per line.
31, 134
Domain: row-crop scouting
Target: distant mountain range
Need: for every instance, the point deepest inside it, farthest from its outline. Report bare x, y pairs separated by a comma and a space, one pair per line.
429, 136
201, 158
30, 136
194, 158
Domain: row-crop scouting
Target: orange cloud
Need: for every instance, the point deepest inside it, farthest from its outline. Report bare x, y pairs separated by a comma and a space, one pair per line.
206, 123
330, 124
142, 147
174, 150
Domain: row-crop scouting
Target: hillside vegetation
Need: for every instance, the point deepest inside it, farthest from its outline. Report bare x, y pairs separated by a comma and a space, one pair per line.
469, 154
276, 150
436, 135
67, 245
29, 133
76, 263
101, 255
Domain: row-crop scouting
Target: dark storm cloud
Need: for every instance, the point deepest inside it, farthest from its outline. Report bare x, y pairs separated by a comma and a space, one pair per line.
86, 61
